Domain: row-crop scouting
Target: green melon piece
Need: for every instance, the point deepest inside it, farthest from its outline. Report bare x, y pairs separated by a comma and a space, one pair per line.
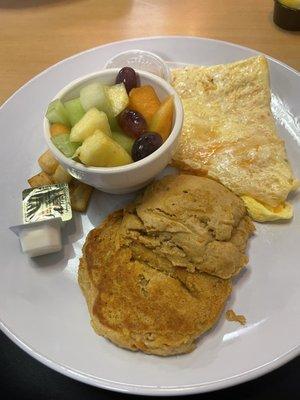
62, 142
125, 141
95, 95
74, 110
56, 113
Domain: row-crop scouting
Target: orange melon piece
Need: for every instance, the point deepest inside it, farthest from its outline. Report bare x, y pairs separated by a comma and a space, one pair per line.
144, 100
162, 120
57, 129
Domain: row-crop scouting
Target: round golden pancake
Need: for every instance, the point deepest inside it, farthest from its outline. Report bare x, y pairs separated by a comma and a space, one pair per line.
139, 307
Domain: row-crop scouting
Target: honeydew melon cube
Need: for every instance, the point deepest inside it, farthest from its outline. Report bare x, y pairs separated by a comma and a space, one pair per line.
74, 110
63, 143
125, 141
56, 113
95, 95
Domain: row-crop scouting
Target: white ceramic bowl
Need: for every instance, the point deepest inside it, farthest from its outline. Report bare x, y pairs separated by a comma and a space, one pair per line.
127, 178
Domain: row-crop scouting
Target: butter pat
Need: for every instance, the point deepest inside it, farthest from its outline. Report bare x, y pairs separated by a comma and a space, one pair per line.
45, 209
46, 202
39, 238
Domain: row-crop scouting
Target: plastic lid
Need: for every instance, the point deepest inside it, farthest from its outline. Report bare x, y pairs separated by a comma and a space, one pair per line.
143, 60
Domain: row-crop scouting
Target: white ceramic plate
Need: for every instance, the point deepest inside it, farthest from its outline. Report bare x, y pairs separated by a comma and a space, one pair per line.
41, 306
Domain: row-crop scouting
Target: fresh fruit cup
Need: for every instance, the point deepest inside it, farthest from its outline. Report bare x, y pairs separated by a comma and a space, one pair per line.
130, 177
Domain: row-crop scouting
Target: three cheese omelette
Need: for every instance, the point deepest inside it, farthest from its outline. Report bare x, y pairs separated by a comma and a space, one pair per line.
229, 134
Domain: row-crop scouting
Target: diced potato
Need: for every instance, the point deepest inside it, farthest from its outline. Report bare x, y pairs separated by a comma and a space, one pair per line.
48, 163
80, 194
58, 129
88, 124
118, 97
162, 120
144, 100
100, 150
61, 175
41, 179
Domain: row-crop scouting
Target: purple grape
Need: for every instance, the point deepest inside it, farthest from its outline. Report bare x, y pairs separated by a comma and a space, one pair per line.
127, 76
145, 145
132, 123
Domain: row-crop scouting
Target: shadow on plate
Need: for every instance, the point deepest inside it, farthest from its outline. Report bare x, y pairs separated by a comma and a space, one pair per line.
242, 276
102, 204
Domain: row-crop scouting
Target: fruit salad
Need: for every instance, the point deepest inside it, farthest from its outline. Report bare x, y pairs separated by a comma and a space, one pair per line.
108, 126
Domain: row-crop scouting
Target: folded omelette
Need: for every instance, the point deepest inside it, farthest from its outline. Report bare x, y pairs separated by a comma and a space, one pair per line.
229, 134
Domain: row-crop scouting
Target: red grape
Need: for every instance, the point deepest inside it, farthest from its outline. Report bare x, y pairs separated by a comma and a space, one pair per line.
127, 76
132, 123
146, 144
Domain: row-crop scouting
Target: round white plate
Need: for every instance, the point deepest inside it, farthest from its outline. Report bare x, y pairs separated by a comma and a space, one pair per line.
41, 306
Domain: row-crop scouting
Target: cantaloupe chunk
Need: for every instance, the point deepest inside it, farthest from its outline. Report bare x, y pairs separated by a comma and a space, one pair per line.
162, 120
144, 100
57, 129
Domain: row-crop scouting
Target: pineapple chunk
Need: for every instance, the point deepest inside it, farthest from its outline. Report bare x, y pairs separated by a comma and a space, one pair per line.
100, 150
162, 120
88, 124
48, 163
118, 97
61, 175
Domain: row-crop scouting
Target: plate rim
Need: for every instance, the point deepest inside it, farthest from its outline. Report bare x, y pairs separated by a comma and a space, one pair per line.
149, 390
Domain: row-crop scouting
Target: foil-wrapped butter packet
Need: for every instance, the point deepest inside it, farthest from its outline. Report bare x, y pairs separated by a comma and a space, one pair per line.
45, 208
46, 202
